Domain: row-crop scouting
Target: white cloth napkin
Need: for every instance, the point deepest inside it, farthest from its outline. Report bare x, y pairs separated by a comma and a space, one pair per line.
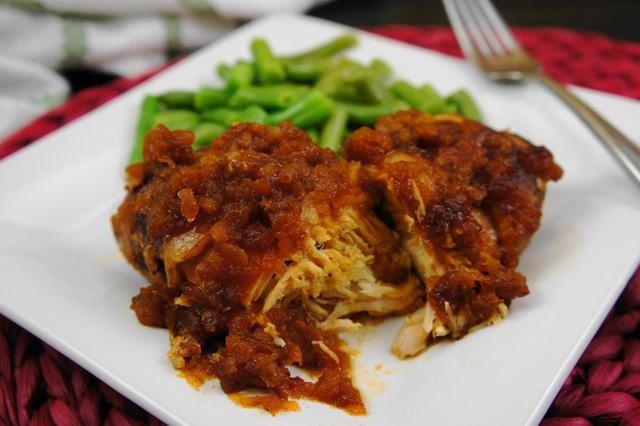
127, 37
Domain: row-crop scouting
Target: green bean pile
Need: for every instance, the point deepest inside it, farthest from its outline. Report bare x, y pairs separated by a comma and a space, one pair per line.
319, 91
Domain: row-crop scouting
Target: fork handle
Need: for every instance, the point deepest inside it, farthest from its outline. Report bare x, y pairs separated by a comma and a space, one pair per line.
619, 145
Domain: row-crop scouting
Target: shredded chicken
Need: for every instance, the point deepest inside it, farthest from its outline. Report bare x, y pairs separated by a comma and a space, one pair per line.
262, 239
260, 249
466, 201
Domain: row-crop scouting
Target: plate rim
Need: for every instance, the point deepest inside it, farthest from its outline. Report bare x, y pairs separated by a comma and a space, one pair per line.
164, 414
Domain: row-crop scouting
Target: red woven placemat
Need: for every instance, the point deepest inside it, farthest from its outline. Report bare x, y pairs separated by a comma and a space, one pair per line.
39, 386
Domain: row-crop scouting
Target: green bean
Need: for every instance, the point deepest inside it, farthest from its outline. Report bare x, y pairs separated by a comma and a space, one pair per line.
225, 116
177, 99
228, 116
302, 70
210, 97
205, 133
429, 92
449, 108
345, 94
331, 85
313, 116
325, 50
432, 102
334, 128
342, 81
436, 106
351, 71
424, 98
344, 73
369, 114
270, 69
314, 134
224, 71
241, 75
253, 114
177, 119
372, 91
465, 104
308, 70
150, 106
408, 93
311, 109
379, 70
352, 82
372, 86
276, 96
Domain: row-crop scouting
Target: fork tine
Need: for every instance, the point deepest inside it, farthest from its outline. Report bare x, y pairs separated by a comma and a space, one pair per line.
487, 28
486, 40
459, 29
498, 24
472, 28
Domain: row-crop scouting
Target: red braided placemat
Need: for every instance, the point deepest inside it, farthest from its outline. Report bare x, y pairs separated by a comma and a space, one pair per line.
39, 386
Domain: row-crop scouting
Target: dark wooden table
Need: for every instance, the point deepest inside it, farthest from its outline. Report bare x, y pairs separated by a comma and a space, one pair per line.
615, 18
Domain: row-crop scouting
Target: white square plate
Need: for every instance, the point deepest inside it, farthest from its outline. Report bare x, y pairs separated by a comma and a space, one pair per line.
63, 279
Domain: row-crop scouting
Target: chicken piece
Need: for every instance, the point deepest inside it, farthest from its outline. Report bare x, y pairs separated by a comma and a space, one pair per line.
262, 222
466, 200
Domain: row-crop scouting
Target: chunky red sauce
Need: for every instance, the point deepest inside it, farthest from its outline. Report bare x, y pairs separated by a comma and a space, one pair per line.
473, 194
205, 227
210, 229
243, 194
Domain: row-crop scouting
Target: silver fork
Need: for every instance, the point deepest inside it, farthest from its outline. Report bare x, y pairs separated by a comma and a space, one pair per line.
485, 38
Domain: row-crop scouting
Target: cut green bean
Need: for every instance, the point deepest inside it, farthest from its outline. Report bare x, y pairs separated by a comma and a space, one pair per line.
345, 73
302, 70
229, 116
435, 106
342, 82
150, 107
270, 69
334, 128
225, 116
177, 99
311, 109
276, 96
253, 114
465, 104
449, 107
432, 102
352, 82
309, 70
424, 98
369, 114
405, 91
210, 97
429, 92
379, 70
318, 90
372, 91
176, 119
224, 71
333, 86
328, 49
205, 133
351, 71
241, 75
314, 134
